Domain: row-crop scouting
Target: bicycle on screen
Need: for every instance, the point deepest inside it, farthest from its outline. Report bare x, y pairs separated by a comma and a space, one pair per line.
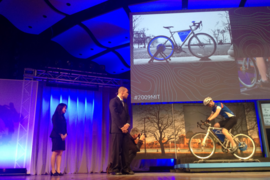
201, 45
248, 72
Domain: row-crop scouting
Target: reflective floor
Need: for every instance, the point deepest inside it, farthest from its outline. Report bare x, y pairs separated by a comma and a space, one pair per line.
150, 176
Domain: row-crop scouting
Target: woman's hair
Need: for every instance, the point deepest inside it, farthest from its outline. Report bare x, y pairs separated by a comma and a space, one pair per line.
59, 108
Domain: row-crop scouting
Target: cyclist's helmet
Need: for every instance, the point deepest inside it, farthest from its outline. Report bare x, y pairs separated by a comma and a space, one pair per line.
207, 100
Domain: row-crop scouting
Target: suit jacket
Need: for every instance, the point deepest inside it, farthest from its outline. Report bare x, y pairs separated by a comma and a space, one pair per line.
59, 126
119, 115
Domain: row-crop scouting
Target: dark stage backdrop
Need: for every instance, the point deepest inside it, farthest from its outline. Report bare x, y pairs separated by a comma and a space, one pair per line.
238, 33
157, 122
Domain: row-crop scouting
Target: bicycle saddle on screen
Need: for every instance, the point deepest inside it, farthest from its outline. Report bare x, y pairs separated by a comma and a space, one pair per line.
167, 27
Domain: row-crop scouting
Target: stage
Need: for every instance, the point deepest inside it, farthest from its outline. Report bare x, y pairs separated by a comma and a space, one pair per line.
146, 176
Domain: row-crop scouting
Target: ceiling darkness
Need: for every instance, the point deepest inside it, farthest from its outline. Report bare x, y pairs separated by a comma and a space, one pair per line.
88, 35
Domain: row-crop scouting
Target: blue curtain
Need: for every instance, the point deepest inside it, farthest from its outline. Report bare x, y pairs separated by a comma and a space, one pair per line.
87, 143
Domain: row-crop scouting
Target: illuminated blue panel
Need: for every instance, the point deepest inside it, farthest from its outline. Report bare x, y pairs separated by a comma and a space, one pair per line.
29, 16
111, 29
160, 5
254, 3
207, 4
78, 42
74, 6
112, 63
158, 162
125, 53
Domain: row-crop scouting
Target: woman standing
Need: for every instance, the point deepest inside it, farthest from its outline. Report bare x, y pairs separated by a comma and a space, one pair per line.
58, 136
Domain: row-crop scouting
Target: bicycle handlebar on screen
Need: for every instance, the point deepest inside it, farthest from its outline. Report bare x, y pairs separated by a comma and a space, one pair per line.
197, 24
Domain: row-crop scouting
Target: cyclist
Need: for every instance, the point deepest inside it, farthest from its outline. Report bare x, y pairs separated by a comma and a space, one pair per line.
263, 72
230, 119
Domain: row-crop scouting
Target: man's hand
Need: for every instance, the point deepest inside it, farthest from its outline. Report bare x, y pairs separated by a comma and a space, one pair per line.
126, 126
124, 130
142, 137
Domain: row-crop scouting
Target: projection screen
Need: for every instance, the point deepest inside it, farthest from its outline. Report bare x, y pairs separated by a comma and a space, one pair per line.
189, 55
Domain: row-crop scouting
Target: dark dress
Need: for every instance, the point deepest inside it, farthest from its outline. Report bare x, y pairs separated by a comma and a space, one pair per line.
59, 127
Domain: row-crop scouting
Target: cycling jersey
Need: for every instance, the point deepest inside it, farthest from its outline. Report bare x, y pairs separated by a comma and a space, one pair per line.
224, 112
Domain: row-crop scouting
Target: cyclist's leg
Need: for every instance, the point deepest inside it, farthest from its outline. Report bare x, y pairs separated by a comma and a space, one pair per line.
217, 125
262, 68
225, 130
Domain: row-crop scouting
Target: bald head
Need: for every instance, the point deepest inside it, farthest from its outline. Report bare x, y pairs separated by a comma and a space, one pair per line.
121, 89
123, 92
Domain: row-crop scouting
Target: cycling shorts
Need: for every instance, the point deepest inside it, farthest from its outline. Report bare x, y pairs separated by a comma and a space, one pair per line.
228, 123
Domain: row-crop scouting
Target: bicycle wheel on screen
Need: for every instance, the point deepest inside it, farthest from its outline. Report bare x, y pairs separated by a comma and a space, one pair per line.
202, 45
200, 151
164, 45
247, 72
246, 145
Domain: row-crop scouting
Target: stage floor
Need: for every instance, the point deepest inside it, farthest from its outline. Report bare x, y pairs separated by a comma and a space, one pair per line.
150, 176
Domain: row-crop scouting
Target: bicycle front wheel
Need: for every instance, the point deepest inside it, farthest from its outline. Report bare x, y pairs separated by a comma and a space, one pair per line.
161, 44
199, 150
246, 145
247, 72
202, 45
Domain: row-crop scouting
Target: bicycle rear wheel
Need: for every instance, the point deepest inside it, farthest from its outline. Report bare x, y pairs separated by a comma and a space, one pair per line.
200, 151
247, 72
246, 145
164, 45
202, 45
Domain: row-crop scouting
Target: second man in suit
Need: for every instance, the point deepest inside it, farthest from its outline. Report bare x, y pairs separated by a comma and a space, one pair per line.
120, 122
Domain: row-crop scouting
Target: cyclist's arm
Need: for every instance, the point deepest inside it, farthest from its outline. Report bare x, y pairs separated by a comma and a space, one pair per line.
211, 115
214, 115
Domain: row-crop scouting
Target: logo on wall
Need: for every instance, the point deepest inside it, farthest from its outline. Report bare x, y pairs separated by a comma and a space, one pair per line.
146, 97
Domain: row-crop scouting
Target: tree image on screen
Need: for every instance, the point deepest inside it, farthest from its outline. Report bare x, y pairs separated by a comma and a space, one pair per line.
160, 125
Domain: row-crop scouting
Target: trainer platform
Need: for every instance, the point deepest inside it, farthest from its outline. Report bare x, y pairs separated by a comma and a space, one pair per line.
223, 165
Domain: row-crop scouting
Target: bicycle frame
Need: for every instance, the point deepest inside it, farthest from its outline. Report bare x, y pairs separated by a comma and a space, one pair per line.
210, 131
190, 33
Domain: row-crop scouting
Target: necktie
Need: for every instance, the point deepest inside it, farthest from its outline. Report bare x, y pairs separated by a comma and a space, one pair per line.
123, 103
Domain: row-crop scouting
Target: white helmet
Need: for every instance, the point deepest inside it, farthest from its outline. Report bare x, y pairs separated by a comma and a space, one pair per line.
207, 101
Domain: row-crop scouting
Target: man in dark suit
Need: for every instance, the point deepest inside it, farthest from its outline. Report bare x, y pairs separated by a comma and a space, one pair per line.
120, 122
135, 143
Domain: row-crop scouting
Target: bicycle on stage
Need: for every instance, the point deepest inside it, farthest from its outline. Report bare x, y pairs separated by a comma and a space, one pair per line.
203, 145
201, 45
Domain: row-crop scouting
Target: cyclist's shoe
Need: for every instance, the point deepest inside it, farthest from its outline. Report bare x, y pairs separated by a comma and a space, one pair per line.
233, 149
265, 84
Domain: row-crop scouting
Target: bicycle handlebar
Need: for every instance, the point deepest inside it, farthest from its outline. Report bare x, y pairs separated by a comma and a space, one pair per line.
203, 123
197, 24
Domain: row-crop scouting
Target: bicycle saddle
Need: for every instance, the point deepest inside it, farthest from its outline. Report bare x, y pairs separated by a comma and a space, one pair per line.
167, 27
